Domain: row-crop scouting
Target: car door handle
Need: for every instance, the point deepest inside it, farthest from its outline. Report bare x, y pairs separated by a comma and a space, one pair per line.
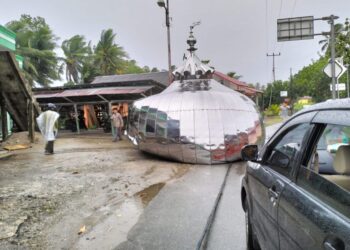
273, 195
333, 244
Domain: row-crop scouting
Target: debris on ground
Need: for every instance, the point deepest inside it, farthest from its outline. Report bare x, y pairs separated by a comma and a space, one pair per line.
4, 154
17, 147
82, 230
9, 228
22, 138
89, 186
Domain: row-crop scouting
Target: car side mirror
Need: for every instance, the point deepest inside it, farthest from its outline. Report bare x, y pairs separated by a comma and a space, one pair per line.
250, 153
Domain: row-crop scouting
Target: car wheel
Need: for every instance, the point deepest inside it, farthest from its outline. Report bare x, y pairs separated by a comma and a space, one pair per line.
251, 242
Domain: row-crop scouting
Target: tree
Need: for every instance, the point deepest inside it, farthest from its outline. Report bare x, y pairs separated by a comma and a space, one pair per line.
154, 69
109, 56
146, 69
343, 43
312, 81
273, 90
36, 43
76, 52
131, 67
89, 70
234, 75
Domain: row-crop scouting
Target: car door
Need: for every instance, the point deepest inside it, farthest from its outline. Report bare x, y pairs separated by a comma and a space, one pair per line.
269, 178
314, 210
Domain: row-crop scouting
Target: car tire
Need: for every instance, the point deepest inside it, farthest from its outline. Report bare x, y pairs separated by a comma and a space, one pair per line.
251, 241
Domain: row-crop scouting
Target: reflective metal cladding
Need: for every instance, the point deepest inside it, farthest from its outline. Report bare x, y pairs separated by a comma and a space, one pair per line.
196, 119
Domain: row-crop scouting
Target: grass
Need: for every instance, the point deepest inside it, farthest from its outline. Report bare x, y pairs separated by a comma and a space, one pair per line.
270, 120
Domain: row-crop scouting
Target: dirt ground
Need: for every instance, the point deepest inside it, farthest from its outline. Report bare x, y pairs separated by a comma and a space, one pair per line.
87, 195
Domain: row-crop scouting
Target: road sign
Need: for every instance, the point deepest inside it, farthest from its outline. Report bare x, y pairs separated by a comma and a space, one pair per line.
284, 93
339, 86
340, 69
297, 28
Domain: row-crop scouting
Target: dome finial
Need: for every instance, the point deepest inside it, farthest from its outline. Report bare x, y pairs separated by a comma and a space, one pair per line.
192, 67
191, 41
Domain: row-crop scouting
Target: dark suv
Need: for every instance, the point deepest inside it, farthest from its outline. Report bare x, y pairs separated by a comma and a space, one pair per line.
296, 190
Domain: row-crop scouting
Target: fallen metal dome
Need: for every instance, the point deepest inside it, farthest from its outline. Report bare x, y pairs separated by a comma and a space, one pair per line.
196, 119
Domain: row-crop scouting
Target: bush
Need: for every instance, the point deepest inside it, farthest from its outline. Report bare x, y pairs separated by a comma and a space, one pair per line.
299, 106
272, 110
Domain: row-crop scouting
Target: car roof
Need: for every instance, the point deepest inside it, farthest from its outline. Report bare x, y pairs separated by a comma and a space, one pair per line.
327, 105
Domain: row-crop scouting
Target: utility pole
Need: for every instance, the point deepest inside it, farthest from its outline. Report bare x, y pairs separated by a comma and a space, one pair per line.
162, 4
331, 19
347, 79
273, 64
291, 89
273, 71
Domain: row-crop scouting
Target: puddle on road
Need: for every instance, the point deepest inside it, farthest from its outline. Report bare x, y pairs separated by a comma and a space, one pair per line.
114, 229
149, 193
239, 167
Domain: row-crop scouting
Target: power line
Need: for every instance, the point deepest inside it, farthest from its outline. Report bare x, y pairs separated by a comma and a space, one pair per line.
295, 3
267, 34
280, 11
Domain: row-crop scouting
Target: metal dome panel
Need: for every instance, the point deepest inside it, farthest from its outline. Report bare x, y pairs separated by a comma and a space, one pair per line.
195, 121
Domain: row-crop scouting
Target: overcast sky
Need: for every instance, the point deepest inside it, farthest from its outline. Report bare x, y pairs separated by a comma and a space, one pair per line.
234, 35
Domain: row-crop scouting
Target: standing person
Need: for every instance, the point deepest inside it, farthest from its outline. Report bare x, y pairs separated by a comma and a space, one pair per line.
117, 123
48, 125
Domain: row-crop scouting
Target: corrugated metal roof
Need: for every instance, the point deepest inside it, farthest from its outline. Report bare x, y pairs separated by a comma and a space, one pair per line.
241, 86
95, 91
161, 77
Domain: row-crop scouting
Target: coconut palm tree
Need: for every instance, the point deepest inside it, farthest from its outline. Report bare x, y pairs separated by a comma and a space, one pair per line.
76, 52
338, 28
36, 42
109, 56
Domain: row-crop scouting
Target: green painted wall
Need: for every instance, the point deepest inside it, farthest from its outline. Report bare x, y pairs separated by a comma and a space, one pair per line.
7, 38
8, 41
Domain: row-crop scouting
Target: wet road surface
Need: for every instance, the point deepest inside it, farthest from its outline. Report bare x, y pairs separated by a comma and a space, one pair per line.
123, 198
177, 217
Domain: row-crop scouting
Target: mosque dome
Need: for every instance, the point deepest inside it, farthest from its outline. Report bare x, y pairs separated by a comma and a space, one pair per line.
196, 119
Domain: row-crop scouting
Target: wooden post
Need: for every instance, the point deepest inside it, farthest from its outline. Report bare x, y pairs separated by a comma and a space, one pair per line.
31, 122
110, 115
3, 118
76, 118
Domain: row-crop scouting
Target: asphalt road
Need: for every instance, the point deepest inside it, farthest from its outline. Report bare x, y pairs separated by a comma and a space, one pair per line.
176, 218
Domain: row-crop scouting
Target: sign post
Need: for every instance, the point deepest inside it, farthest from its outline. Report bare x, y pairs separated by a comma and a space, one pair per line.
300, 28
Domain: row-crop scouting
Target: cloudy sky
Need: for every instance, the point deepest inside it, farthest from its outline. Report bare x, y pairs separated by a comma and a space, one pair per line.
234, 35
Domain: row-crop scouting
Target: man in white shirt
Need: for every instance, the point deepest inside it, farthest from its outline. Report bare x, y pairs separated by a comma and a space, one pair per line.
48, 125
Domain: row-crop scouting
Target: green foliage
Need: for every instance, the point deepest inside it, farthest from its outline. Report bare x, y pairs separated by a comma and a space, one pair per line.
299, 106
76, 52
131, 67
234, 75
274, 91
69, 84
109, 56
36, 43
312, 81
272, 110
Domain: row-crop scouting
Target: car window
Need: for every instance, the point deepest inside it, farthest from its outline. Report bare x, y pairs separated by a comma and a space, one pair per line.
331, 139
327, 173
330, 154
284, 153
